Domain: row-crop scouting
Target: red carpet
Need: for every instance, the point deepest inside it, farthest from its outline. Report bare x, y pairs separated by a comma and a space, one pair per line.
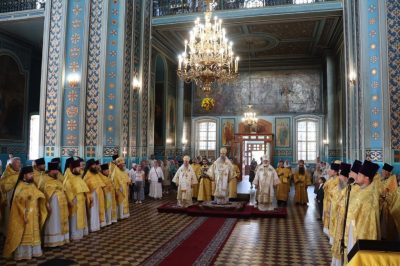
246, 212
198, 244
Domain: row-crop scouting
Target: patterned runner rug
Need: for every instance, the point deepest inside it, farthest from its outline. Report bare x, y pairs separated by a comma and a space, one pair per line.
197, 244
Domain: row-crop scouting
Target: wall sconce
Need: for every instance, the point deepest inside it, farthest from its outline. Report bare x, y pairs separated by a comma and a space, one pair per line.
135, 84
169, 140
325, 142
73, 80
352, 78
184, 141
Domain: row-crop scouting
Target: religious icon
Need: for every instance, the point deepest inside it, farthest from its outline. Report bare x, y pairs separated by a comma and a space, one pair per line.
228, 131
282, 132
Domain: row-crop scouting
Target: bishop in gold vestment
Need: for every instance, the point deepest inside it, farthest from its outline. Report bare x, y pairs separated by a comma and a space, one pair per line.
28, 214
75, 190
56, 229
7, 185
265, 181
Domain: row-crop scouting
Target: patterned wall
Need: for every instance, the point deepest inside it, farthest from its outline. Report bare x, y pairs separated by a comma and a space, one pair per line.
53, 83
137, 25
74, 54
146, 74
393, 26
113, 83
374, 149
127, 73
93, 77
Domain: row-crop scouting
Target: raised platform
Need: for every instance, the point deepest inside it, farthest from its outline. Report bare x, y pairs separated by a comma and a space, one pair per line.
234, 210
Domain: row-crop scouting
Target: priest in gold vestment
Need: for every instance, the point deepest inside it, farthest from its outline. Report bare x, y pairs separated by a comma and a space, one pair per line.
205, 183
75, 190
221, 172
184, 178
197, 170
56, 229
121, 184
95, 199
39, 170
282, 193
301, 180
109, 193
7, 185
331, 183
340, 205
28, 214
388, 186
363, 215
233, 182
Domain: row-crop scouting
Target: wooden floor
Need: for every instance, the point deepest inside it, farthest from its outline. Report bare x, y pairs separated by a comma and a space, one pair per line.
296, 240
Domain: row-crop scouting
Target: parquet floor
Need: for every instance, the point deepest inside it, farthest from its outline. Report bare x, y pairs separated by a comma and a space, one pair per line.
297, 240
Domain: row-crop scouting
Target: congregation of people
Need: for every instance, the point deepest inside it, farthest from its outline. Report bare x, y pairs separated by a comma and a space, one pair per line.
47, 208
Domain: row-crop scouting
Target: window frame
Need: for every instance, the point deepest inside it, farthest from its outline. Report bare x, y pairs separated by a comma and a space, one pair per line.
196, 136
318, 130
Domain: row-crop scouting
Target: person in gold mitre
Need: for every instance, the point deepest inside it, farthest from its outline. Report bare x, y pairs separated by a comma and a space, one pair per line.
221, 172
109, 192
233, 182
301, 180
121, 184
28, 214
95, 199
184, 178
197, 170
363, 215
75, 189
7, 184
388, 186
205, 182
265, 182
328, 186
56, 229
282, 193
39, 170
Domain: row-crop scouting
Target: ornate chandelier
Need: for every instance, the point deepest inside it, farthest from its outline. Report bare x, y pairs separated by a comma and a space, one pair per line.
208, 55
249, 117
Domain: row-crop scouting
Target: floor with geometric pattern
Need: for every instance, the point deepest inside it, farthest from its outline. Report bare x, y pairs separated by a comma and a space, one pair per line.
296, 240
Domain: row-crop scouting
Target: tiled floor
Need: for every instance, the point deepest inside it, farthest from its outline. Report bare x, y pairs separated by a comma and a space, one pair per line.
297, 240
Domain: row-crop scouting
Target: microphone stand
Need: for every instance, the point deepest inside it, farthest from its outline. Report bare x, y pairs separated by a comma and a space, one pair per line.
342, 244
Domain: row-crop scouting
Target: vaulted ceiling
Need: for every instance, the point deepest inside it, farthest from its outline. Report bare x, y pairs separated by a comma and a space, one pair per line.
297, 39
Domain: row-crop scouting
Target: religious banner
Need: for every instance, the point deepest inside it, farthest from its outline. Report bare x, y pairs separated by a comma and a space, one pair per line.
282, 132
227, 131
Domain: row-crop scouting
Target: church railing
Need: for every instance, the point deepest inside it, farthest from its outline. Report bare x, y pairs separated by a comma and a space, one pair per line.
176, 7
20, 5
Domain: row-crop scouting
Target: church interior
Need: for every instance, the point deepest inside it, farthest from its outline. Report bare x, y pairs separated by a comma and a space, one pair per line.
200, 132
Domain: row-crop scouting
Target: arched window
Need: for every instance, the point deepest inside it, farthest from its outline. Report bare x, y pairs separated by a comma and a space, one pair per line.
307, 139
206, 138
